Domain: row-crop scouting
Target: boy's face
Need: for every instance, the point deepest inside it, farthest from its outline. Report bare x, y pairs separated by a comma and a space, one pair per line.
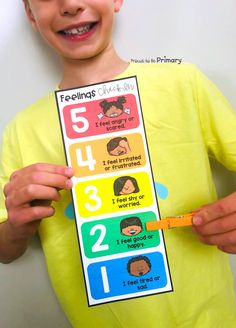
76, 29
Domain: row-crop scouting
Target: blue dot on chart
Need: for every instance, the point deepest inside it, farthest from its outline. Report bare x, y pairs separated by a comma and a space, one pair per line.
161, 190
69, 212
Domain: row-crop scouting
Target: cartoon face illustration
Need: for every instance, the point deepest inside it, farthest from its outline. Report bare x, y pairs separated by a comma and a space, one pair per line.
113, 108
131, 226
139, 266
118, 146
114, 111
128, 187
125, 185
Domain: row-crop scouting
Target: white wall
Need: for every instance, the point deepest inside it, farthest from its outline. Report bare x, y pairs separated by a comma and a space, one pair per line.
201, 32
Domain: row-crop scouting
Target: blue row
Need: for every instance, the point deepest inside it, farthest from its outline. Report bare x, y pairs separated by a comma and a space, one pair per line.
127, 275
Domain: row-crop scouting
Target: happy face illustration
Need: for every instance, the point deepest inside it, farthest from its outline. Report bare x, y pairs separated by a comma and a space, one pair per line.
113, 108
118, 146
131, 226
125, 185
139, 266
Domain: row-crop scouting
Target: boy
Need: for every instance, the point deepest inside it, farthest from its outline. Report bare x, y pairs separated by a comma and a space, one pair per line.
184, 121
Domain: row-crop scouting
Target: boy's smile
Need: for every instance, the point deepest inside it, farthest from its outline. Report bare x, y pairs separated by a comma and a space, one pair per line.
76, 29
80, 31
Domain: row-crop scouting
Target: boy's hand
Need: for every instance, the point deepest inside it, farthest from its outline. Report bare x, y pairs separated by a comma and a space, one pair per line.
29, 194
215, 224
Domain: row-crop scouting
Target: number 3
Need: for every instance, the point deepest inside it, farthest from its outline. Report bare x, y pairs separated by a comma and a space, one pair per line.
93, 194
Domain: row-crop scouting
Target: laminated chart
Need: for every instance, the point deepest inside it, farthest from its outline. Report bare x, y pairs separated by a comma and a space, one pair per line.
113, 191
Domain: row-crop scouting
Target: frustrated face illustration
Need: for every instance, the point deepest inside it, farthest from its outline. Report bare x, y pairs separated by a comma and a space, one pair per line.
139, 266
118, 146
118, 151
131, 226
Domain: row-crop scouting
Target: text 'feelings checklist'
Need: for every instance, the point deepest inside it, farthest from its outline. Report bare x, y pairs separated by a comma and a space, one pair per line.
113, 191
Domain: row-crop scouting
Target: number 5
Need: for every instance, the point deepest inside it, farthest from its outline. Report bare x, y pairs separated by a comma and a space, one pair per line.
77, 119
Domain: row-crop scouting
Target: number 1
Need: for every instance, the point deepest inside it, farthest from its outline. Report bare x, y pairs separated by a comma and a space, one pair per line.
106, 286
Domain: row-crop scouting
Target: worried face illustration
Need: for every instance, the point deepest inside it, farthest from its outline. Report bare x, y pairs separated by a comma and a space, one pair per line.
125, 185
128, 188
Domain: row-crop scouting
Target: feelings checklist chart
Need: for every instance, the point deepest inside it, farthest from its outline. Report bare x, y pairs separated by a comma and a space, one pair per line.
113, 191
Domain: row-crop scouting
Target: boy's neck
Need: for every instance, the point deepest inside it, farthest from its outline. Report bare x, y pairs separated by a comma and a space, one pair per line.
103, 67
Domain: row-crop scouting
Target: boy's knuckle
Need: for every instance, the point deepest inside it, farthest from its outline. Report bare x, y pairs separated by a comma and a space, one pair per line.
6, 188
7, 202
29, 191
14, 175
221, 225
35, 212
222, 207
36, 176
37, 166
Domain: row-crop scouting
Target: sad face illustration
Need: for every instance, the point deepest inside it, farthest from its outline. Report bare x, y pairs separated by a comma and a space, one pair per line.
139, 266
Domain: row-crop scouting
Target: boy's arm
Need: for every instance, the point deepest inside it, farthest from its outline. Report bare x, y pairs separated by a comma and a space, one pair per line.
11, 246
28, 197
215, 224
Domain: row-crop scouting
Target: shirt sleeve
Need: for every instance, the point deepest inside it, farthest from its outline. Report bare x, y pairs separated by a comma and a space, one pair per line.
10, 162
218, 121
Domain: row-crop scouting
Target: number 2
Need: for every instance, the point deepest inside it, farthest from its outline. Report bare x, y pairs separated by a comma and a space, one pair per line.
98, 247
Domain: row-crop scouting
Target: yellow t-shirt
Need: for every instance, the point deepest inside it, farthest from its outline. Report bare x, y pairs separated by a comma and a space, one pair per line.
187, 120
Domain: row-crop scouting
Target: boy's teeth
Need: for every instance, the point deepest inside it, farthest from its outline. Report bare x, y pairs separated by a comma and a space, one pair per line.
79, 30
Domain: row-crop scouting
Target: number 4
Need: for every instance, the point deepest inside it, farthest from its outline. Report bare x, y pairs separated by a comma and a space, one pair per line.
90, 161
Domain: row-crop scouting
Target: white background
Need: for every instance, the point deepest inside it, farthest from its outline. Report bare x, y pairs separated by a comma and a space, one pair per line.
200, 32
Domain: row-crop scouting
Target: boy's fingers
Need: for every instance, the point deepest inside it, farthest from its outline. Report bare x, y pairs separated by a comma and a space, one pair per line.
228, 249
217, 226
43, 167
227, 239
214, 211
59, 178
48, 179
29, 194
28, 215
